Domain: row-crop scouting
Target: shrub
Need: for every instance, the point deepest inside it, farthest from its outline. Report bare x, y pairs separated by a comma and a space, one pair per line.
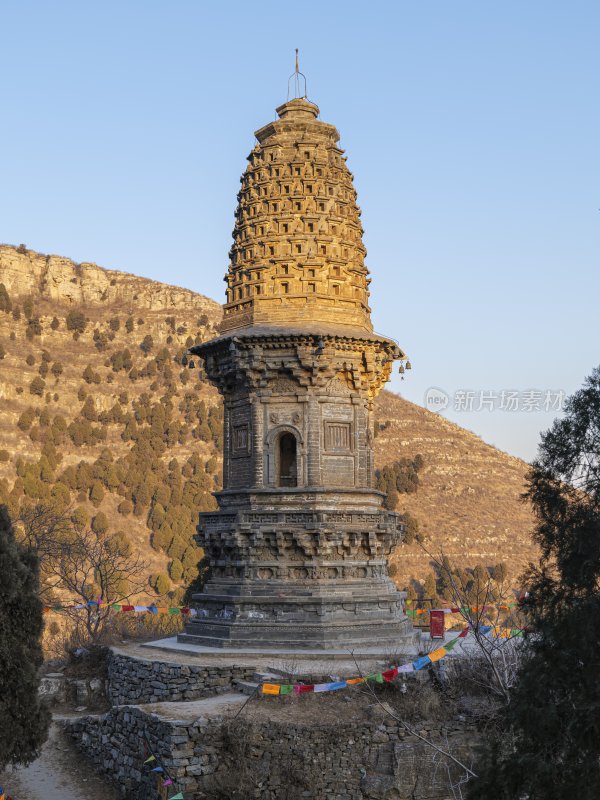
100, 523
26, 419
89, 410
147, 344
75, 321
37, 386
176, 570
80, 517
30, 360
114, 324
28, 307
125, 507
4, 455
5, 302
57, 369
55, 324
129, 324
2, 352
96, 493
34, 328
60, 495
159, 582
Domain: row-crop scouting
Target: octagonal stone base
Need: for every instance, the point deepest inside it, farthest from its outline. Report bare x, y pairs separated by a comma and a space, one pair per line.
299, 570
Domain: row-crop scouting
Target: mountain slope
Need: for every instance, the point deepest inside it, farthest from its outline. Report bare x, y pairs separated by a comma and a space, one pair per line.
468, 500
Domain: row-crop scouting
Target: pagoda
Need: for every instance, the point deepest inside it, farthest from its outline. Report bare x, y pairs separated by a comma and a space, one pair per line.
298, 548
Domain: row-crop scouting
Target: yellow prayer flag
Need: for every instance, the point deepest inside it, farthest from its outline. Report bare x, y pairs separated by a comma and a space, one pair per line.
437, 654
353, 681
270, 688
163, 610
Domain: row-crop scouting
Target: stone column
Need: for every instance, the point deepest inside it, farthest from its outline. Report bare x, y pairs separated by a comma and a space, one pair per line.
313, 442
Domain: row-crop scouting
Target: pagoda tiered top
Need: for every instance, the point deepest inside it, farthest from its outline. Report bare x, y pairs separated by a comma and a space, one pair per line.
298, 257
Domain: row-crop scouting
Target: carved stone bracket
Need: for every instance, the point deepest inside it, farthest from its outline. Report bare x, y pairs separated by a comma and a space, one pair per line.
252, 363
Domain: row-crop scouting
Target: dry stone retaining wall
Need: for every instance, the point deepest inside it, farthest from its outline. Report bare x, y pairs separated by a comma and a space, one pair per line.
271, 760
136, 681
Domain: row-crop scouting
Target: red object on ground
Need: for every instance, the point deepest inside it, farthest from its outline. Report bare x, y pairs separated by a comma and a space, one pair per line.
436, 624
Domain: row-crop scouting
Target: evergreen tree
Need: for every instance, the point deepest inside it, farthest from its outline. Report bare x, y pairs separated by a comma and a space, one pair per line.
550, 741
24, 718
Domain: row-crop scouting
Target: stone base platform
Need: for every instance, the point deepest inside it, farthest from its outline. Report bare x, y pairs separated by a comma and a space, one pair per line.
175, 646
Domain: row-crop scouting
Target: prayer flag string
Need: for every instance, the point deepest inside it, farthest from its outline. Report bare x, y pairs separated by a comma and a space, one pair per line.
388, 675
172, 611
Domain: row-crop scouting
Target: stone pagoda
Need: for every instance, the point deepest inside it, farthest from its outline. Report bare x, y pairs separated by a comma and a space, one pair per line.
298, 549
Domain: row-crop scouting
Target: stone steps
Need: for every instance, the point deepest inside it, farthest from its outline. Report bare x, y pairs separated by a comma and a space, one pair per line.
250, 687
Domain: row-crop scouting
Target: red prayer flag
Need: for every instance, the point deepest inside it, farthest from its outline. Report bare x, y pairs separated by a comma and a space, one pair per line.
390, 674
304, 688
126, 608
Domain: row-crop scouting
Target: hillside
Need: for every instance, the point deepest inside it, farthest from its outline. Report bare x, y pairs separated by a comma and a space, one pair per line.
101, 411
97, 409
468, 499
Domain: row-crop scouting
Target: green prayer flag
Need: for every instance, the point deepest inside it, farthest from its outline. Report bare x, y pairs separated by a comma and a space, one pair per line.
450, 645
115, 606
178, 796
174, 611
378, 678
286, 688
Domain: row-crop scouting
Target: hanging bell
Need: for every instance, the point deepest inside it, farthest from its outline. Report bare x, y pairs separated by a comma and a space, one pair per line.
401, 369
408, 365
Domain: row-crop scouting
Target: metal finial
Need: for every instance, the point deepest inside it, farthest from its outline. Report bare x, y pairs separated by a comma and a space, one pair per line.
296, 75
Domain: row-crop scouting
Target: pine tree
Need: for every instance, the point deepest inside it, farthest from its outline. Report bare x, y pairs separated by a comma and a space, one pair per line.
24, 718
550, 739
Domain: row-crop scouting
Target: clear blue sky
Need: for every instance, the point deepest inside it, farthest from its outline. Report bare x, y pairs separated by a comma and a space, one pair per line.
472, 129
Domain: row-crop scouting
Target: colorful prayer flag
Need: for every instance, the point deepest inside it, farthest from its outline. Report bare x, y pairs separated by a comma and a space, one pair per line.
150, 759
437, 654
270, 688
421, 662
303, 688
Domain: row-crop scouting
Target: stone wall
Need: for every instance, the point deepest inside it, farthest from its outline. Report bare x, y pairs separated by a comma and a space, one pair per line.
136, 681
270, 759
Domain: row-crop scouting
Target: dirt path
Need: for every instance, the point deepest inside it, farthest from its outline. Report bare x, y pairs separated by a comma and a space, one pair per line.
60, 773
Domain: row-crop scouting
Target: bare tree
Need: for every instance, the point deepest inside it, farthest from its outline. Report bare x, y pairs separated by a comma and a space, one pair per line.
482, 604
82, 566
